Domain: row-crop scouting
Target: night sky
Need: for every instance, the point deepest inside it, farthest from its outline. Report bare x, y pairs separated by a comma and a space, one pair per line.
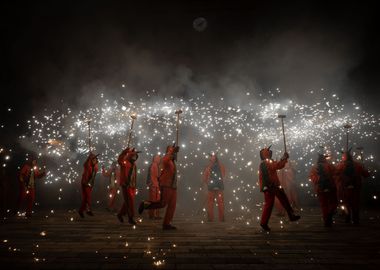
55, 52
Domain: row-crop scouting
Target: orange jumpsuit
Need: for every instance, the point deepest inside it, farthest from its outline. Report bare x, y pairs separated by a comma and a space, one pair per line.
128, 175
87, 183
168, 186
28, 175
113, 175
322, 176
154, 187
270, 185
213, 177
349, 178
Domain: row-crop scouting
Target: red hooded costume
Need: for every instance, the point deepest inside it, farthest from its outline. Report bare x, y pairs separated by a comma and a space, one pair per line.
213, 177
270, 185
349, 180
168, 186
128, 173
28, 174
90, 169
113, 175
322, 175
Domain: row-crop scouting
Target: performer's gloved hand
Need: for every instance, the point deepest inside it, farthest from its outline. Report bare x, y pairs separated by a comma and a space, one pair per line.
265, 188
285, 156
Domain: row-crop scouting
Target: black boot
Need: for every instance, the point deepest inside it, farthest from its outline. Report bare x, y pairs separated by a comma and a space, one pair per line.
120, 218
265, 227
294, 217
143, 205
131, 221
168, 227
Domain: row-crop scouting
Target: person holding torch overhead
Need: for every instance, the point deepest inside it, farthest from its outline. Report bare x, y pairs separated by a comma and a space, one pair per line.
168, 184
128, 174
270, 184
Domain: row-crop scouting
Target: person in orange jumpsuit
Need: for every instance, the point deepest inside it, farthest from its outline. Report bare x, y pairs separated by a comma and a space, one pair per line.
128, 176
349, 177
88, 179
168, 187
113, 175
154, 187
28, 175
213, 177
270, 186
322, 175
287, 181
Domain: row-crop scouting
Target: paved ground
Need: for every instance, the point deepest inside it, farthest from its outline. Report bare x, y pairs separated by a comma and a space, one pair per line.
62, 240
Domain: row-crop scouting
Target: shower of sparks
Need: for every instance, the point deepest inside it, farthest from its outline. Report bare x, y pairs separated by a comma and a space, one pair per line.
236, 133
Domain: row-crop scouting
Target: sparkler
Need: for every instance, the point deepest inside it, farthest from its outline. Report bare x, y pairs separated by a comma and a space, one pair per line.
360, 149
236, 132
133, 117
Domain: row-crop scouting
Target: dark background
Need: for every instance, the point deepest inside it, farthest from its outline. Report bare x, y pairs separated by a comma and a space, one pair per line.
64, 50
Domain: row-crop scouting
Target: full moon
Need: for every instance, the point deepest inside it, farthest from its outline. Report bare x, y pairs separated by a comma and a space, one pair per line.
200, 24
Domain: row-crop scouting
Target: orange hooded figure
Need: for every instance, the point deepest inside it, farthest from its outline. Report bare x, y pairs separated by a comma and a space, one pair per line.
349, 179
322, 176
90, 169
168, 187
28, 174
270, 185
113, 175
128, 174
213, 177
154, 185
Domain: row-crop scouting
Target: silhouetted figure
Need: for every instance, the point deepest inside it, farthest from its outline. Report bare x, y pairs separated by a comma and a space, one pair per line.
322, 175
213, 177
113, 176
128, 174
168, 186
270, 185
27, 180
349, 177
90, 169
154, 186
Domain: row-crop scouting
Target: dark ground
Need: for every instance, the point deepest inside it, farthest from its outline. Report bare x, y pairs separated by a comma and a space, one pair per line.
99, 242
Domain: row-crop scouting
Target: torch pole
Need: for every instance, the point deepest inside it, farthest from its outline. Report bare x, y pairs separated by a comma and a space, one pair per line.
347, 127
89, 134
133, 116
282, 116
178, 112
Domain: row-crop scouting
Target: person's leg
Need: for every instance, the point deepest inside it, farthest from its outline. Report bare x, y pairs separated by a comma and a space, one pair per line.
348, 203
30, 201
88, 192
323, 198
356, 206
123, 209
152, 198
220, 200
131, 202
21, 198
268, 206
210, 205
112, 197
172, 202
84, 201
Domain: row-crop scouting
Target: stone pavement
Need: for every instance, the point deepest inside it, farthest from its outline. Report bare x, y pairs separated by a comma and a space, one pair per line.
63, 240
